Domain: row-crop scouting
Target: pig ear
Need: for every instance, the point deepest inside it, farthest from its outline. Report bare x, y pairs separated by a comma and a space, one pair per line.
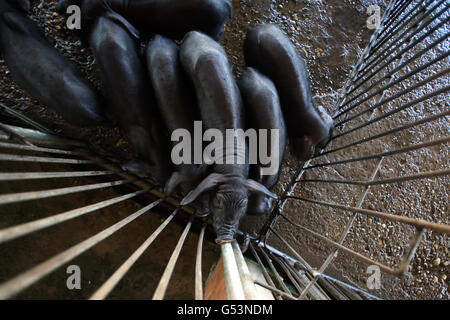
258, 188
209, 183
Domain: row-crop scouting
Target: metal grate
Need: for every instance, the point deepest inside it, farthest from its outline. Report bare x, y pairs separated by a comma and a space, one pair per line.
73, 153
393, 107
392, 110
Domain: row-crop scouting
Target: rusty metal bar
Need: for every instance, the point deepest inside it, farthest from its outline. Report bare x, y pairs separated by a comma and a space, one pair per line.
383, 154
400, 271
402, 36
287, 272
424, 175
390, 84
385, 133
404, 50
414, 222
346, 231
396, 110
397, 95
382, 40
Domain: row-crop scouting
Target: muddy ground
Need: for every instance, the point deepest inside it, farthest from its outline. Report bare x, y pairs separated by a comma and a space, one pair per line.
329, 36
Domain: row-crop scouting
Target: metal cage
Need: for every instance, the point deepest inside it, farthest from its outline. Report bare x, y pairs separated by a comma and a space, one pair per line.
389, 148
391, 123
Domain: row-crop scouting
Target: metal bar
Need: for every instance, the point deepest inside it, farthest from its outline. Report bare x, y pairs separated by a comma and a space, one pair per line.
33, 226
35, 195
198, 266
424, 175
365, 54
281, 202
25, 119
234, 288
404, 50
334, 254
165, 279
297, 256
290, 261
395, 13
383, 154
415, 222
263, 268
20, 158
389, 85
409, 104
275, 272
395, 96
414, 244
275, 290
287, 272
345, 249
248, 284
15, 285
402, 36
330, 289
382, 40
49, 175
40, 138
141, 183
16, 146
398, 66
111, 283
385, 133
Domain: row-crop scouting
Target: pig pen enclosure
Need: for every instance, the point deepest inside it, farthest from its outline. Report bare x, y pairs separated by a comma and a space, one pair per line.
377, 196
